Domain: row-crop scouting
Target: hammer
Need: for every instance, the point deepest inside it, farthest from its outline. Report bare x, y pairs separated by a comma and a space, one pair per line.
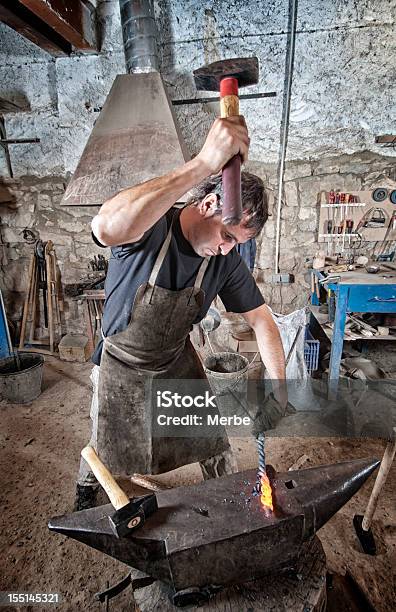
227, 76
129, 513
361, 523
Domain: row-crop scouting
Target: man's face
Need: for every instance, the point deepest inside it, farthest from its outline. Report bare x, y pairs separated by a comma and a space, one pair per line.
211, 237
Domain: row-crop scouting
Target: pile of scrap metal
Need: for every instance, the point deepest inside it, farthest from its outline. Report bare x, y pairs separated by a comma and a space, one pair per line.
360, 327
76, 290
333, 265
94, 279
362, 369
357, 324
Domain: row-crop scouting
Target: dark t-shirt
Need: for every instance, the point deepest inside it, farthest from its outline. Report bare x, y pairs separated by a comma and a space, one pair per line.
130, 266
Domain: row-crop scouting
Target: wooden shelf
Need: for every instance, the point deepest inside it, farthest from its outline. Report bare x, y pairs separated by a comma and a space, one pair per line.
343, 205
337, 235
323, 318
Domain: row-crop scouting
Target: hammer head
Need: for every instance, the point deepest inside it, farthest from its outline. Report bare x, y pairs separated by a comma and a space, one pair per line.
133, 515
245, 69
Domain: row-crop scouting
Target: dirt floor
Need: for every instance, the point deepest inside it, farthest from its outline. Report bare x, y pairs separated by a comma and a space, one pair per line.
40, 445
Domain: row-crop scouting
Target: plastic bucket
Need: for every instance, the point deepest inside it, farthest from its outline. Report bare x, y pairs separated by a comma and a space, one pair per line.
227, 374
24, 385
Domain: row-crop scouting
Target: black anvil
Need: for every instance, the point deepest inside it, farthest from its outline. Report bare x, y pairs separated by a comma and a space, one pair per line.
218, 532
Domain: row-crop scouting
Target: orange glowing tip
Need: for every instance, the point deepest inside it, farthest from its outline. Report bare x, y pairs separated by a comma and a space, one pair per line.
266, 492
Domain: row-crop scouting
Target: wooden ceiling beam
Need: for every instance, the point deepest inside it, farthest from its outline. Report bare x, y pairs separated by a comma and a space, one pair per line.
71, 19
386, 139
57, 26
20, 19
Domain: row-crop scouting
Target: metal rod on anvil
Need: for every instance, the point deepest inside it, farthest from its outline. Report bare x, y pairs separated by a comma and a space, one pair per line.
262, 472
261, 454
263, 485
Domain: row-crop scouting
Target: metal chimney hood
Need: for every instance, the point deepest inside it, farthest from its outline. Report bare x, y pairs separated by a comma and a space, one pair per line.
135, 137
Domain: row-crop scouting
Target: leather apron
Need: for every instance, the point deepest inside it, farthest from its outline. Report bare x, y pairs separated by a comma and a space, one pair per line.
155, 344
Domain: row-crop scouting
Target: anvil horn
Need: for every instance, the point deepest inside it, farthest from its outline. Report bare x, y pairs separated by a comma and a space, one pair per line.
323, 490
221, 527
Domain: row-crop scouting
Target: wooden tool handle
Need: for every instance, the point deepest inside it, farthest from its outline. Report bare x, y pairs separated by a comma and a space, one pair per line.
382, 475
116, 495
148, 483
231, 175
229, 106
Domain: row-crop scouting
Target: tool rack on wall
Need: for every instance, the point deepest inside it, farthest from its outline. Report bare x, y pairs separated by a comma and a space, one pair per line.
343, 225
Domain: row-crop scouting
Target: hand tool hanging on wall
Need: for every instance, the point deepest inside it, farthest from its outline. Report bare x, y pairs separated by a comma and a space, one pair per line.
379, 194
42, 276
43, 281
386, 243
129, 514
227, 76
374, 217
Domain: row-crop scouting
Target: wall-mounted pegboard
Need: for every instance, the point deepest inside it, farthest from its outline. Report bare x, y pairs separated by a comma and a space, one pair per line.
371, 215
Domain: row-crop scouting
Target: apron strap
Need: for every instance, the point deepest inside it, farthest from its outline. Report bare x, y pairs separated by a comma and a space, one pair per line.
161, 255
199, 279
160, 260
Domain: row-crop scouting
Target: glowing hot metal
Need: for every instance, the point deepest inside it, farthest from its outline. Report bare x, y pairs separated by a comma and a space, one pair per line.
263, 487
266, 492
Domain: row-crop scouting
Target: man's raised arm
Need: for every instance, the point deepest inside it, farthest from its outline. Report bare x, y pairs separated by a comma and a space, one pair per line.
125, 217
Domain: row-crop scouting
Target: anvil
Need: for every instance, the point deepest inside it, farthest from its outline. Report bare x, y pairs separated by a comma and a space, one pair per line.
217, 532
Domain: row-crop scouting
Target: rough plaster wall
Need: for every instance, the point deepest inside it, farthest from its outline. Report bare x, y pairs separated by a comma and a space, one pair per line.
342, 88
342, 96
344, 66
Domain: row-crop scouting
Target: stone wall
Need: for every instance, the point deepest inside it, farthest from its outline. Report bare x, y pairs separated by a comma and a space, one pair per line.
300, 217
36, 206
342, 96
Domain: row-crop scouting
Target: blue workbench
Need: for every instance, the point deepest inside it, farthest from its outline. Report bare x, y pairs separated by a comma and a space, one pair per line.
355, 292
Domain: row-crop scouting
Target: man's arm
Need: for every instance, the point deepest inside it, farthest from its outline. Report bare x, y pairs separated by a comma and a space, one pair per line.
270, 347
268, 340
125, 217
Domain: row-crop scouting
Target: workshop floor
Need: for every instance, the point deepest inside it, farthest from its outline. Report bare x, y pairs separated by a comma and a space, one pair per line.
39, 454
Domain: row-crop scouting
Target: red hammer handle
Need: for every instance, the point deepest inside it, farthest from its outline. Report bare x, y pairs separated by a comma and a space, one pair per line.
231, 175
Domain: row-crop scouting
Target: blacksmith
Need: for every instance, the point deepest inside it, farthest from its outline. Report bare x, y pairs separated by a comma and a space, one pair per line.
166, 267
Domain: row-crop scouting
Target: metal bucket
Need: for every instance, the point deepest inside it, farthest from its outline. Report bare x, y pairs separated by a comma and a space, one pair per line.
227, 374
24, 385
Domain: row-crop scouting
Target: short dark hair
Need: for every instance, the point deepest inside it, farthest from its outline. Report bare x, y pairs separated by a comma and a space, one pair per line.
254, 197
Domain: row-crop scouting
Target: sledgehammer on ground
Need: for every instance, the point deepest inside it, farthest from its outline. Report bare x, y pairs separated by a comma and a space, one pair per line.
361, 523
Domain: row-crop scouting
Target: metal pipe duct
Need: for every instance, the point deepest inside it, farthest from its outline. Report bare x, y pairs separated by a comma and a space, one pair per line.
139, 33
135, 137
